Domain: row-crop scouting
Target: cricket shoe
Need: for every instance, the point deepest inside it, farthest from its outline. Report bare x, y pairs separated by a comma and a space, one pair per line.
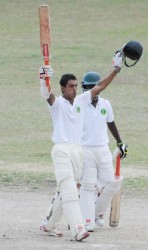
81, 233
88, 225
43, 226
54, 232
89, 228
100, 222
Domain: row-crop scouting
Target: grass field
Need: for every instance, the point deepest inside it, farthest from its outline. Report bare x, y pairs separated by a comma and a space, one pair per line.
85, 35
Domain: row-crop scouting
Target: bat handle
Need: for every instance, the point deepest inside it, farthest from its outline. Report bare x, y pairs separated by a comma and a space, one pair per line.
48, 82
47, 78
117, 173
46, 61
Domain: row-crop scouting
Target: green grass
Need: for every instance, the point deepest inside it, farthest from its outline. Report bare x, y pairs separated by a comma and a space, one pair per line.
136, 183
35, 179
85, 35
18, 177
29, 177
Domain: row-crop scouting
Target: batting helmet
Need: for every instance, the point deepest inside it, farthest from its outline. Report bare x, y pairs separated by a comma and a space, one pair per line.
90, 79
132, 50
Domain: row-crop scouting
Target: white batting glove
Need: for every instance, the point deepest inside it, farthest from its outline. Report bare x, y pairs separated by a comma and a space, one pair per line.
44, 89
118, 60
45, 71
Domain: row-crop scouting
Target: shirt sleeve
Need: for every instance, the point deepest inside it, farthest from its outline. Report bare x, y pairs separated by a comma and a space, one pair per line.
85, 97
55, 105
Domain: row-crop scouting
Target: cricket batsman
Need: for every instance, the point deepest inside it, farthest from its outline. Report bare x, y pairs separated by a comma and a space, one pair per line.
98, 183
67, 112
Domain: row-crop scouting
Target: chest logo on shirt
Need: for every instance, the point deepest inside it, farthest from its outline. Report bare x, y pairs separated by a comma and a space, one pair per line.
78, 109
103, 111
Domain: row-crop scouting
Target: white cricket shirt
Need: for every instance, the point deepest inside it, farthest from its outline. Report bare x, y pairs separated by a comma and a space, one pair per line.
68, 119
95, 123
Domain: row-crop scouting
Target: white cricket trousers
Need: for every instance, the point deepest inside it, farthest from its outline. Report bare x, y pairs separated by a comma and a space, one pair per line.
97, 172
68, 161
98, 166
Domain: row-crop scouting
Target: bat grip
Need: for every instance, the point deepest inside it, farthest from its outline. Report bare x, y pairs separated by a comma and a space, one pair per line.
117, 173
48, 82
46, 61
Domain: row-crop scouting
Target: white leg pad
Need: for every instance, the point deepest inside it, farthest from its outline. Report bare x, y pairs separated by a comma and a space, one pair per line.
54, 212
105, 197
87, 204
70, 203
88, 194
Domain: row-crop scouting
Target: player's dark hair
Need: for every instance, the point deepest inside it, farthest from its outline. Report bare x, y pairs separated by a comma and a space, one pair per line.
65, 78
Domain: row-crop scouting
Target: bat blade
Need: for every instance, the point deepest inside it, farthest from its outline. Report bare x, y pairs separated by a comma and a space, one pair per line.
116, 200
115, 210
45, 35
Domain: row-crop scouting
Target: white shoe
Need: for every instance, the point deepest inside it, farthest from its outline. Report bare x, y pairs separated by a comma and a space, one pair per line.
100, 222
89, 225
89, 228
43, 226
53, 232
81, 233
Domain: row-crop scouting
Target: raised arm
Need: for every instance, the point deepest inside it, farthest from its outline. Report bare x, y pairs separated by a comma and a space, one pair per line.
103, 83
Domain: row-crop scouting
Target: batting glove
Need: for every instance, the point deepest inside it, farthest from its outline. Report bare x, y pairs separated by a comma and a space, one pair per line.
45, 71
118, 61
123, 149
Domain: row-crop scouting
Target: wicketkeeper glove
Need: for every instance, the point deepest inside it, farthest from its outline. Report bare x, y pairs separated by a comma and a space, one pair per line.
118, 60
45, 71
123, 149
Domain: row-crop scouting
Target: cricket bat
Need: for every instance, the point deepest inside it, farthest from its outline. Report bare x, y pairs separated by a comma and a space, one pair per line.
116, 200
45, 36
